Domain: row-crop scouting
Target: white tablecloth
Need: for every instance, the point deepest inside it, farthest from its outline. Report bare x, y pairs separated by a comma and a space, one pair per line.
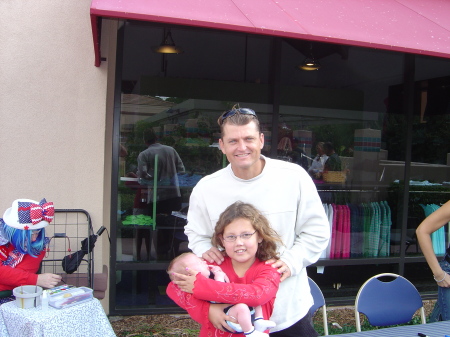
3, 331
81, 320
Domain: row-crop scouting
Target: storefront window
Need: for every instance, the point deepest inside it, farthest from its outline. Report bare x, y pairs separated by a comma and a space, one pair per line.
343, 108
429, 182
177, 99
351, 110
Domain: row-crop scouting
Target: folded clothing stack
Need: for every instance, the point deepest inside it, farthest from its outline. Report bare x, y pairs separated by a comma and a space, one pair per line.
140, 220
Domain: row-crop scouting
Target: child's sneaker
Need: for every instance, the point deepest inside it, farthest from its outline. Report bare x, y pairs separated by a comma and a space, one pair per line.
256, 333
263, 324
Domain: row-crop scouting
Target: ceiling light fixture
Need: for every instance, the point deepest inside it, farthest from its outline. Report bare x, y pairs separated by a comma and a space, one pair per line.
310, 63
167, 45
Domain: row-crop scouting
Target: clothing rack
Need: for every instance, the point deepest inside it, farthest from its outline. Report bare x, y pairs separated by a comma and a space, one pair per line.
438, 237
348, 196
358, 230
373, 191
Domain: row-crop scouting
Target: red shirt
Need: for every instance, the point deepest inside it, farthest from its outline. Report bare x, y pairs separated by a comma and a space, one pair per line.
258, 287
23, 274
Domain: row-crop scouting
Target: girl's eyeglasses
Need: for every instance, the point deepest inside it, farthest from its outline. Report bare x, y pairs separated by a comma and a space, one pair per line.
232, 112
232, 238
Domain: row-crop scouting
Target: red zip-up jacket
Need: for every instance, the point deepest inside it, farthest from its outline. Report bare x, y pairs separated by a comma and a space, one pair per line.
23, 274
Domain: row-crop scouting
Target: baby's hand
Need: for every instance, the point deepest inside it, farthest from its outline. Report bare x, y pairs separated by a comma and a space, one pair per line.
219, 275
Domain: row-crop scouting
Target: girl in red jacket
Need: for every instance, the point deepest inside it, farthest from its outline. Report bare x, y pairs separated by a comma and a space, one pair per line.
247, 240
22, 243
249, 319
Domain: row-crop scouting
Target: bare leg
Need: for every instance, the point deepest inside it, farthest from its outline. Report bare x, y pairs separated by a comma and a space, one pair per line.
260, 323
242, 314
258, 311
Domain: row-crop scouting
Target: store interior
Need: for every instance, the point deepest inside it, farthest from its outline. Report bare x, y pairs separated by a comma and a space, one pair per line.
358, 99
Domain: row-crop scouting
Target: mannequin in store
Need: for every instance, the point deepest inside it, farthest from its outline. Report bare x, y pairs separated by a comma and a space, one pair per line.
298, 154
286, 195
333, 163
440, 269
318, 163
22, 246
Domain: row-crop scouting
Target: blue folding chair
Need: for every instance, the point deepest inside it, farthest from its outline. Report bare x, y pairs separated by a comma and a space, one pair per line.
319, 301
388, 303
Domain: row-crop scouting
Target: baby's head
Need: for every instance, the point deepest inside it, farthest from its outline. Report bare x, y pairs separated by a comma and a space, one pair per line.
187, 260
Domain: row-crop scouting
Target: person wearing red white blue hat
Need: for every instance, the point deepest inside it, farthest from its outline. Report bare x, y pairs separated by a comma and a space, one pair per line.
22, 246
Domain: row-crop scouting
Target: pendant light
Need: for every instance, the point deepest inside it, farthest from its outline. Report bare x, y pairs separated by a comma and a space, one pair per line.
167, 45
310, 63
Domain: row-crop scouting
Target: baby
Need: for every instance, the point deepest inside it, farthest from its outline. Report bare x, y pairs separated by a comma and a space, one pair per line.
250, 320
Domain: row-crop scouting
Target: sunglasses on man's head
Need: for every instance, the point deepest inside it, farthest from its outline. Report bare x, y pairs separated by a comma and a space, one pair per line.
242, 111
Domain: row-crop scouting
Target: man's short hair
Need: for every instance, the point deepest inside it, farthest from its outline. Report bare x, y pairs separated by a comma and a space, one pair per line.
149, 136
238, 119
328, 146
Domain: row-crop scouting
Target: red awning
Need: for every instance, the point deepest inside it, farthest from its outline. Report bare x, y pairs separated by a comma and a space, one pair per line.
411, 26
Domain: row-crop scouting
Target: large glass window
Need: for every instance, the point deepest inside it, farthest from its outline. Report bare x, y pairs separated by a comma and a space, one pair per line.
346, 123
337, 118
177, 100
429, 181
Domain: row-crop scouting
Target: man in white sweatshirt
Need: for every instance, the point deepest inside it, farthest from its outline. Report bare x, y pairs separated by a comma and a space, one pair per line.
285, 194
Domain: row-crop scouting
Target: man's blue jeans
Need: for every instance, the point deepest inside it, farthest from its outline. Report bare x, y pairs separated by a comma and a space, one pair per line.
441, 311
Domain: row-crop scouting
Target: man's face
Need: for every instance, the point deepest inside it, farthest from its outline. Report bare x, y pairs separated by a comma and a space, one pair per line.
319, 150
242, 145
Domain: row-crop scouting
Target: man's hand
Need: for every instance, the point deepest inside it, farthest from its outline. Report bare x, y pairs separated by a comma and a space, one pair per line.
282, 267
218, 318
48, 280
213, 255
186, 282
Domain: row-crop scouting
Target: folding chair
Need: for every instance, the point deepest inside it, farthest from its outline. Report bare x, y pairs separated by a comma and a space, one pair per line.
319, 301
388, 303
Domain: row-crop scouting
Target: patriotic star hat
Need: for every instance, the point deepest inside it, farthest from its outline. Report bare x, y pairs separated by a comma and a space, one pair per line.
28, 214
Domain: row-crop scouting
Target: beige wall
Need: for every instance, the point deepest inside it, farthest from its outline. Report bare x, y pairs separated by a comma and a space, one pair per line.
55, 115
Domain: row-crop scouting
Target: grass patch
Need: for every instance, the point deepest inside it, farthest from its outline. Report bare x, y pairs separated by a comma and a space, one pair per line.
182, 325
365, 326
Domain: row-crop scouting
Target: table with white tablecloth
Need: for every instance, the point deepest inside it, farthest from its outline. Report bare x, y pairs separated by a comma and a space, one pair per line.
83, 319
